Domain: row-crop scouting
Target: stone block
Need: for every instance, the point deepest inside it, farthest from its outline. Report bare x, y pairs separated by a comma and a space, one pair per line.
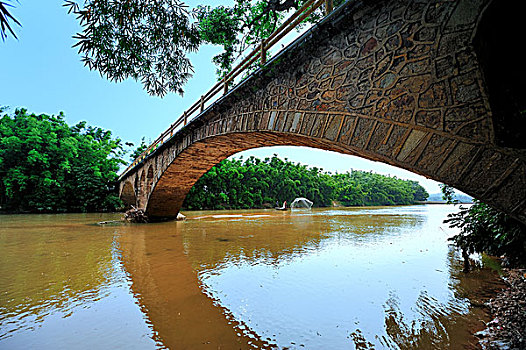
453, 166
318, 125
379, 135
333, 127
433, 155
347, 129
361, 133
410, 145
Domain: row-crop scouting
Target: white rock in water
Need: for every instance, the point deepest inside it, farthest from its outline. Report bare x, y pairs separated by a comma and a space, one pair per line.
180, 217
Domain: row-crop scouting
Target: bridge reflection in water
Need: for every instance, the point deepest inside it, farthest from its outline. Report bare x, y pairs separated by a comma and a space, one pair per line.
368, 277
326, 278
167, 288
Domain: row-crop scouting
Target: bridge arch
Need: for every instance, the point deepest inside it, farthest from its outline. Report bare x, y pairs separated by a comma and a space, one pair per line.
396, 82
179, 177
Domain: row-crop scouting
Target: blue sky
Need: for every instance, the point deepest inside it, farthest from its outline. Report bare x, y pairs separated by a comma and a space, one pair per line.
42, 72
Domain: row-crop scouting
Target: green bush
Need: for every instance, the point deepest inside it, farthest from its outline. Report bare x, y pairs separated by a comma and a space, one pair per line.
485, 229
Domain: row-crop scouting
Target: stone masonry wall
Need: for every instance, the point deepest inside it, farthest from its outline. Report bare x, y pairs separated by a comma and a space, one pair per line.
392, 81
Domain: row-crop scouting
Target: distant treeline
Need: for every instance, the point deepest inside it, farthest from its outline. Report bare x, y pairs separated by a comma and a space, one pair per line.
255, 183
458, 197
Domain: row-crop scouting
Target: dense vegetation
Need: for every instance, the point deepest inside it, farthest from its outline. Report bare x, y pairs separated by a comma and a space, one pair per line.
484, 229
48, 166
255, 183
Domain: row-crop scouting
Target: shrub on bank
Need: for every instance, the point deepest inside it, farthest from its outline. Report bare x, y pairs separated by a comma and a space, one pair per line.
485, 229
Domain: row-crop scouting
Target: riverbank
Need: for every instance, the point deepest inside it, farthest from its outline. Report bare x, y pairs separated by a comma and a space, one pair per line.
507, 330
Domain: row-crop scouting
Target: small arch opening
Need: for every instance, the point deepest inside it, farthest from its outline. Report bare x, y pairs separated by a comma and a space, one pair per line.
140, 183
128, 195
149, 179
136, 184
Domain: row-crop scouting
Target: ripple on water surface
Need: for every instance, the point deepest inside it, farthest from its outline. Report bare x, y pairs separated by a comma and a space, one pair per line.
317, 279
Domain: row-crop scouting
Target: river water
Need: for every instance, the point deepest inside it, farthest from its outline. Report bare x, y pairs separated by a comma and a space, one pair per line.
339, 278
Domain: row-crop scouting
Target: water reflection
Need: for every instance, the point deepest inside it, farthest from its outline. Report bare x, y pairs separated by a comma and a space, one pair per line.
167, 288
365, 278
442, 324
272, 237
340, 278
56, 266
62, 286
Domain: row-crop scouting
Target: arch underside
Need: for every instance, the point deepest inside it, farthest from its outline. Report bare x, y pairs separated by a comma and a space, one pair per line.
472, 168
177, 180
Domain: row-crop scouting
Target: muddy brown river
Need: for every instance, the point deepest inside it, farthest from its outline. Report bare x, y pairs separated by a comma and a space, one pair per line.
338, 278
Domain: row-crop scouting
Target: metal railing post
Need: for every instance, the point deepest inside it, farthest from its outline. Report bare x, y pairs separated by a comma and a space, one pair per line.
202, 105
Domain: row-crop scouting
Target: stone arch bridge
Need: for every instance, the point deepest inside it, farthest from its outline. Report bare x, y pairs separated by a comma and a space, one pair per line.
427, 86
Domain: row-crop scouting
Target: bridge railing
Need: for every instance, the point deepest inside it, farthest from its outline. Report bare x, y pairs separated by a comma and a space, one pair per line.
259, 53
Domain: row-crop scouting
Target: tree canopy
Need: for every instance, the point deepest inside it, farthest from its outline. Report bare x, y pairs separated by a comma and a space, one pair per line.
149, 40
48, 166
5, 20
146, 40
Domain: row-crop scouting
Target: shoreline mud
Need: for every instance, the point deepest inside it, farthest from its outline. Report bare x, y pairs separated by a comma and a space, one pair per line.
507, 329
